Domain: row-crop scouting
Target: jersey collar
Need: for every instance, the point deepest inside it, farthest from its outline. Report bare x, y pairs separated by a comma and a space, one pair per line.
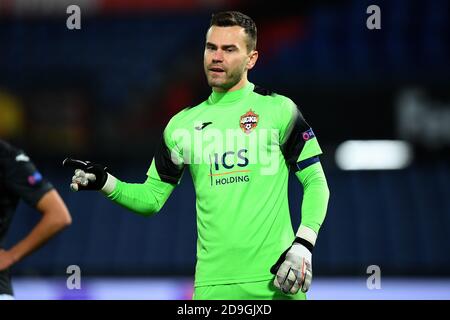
230, 97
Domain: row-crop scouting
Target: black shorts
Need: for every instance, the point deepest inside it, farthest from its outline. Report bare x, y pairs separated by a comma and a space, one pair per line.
5, 282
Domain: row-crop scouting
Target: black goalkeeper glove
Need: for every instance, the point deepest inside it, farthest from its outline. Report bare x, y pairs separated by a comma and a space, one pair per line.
88, 175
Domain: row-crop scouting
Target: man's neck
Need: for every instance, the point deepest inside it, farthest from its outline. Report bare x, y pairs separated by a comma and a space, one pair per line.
237, 86
227, 97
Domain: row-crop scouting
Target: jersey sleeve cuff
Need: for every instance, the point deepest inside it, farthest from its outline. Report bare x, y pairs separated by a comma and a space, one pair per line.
110, 185
307, 233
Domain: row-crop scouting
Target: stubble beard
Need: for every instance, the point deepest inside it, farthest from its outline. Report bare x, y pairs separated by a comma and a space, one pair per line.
226, 82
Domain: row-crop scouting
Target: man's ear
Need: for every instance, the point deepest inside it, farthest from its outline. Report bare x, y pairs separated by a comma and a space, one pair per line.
253, 57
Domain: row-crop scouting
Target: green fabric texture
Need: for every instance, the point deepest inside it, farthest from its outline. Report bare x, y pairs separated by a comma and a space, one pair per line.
143, 198
315, 196
260, 290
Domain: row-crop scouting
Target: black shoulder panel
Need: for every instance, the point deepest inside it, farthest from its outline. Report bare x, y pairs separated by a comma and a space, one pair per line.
168, 171
262, 91
293, 146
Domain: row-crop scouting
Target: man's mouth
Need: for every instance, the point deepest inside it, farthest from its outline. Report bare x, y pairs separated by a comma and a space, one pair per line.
216, 69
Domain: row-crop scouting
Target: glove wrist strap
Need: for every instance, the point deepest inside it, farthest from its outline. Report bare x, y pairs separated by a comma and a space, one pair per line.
308, 245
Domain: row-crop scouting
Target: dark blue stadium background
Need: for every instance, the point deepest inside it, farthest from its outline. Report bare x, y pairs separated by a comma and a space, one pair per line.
106, 91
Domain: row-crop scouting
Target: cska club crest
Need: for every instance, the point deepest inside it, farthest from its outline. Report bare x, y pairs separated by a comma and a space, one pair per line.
249, 121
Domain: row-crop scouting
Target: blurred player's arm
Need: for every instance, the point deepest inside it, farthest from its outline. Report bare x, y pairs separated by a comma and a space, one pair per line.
24, 180
55, 217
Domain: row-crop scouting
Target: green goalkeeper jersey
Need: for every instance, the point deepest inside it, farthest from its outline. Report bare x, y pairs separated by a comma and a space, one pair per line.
239, 147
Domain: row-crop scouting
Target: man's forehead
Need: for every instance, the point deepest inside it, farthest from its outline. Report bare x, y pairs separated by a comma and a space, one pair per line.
226, 35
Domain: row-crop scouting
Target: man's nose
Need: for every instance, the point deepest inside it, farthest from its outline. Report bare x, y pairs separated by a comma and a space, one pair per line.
218, 56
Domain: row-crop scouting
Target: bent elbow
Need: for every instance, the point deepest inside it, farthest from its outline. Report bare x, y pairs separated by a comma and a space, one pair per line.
64, 217
63, 221
153, 210
148, 211
67, 221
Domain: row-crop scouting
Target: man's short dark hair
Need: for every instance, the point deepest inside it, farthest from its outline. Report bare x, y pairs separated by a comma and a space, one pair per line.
236, 18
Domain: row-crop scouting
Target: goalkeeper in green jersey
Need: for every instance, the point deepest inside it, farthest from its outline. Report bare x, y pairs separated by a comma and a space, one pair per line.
239, 146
